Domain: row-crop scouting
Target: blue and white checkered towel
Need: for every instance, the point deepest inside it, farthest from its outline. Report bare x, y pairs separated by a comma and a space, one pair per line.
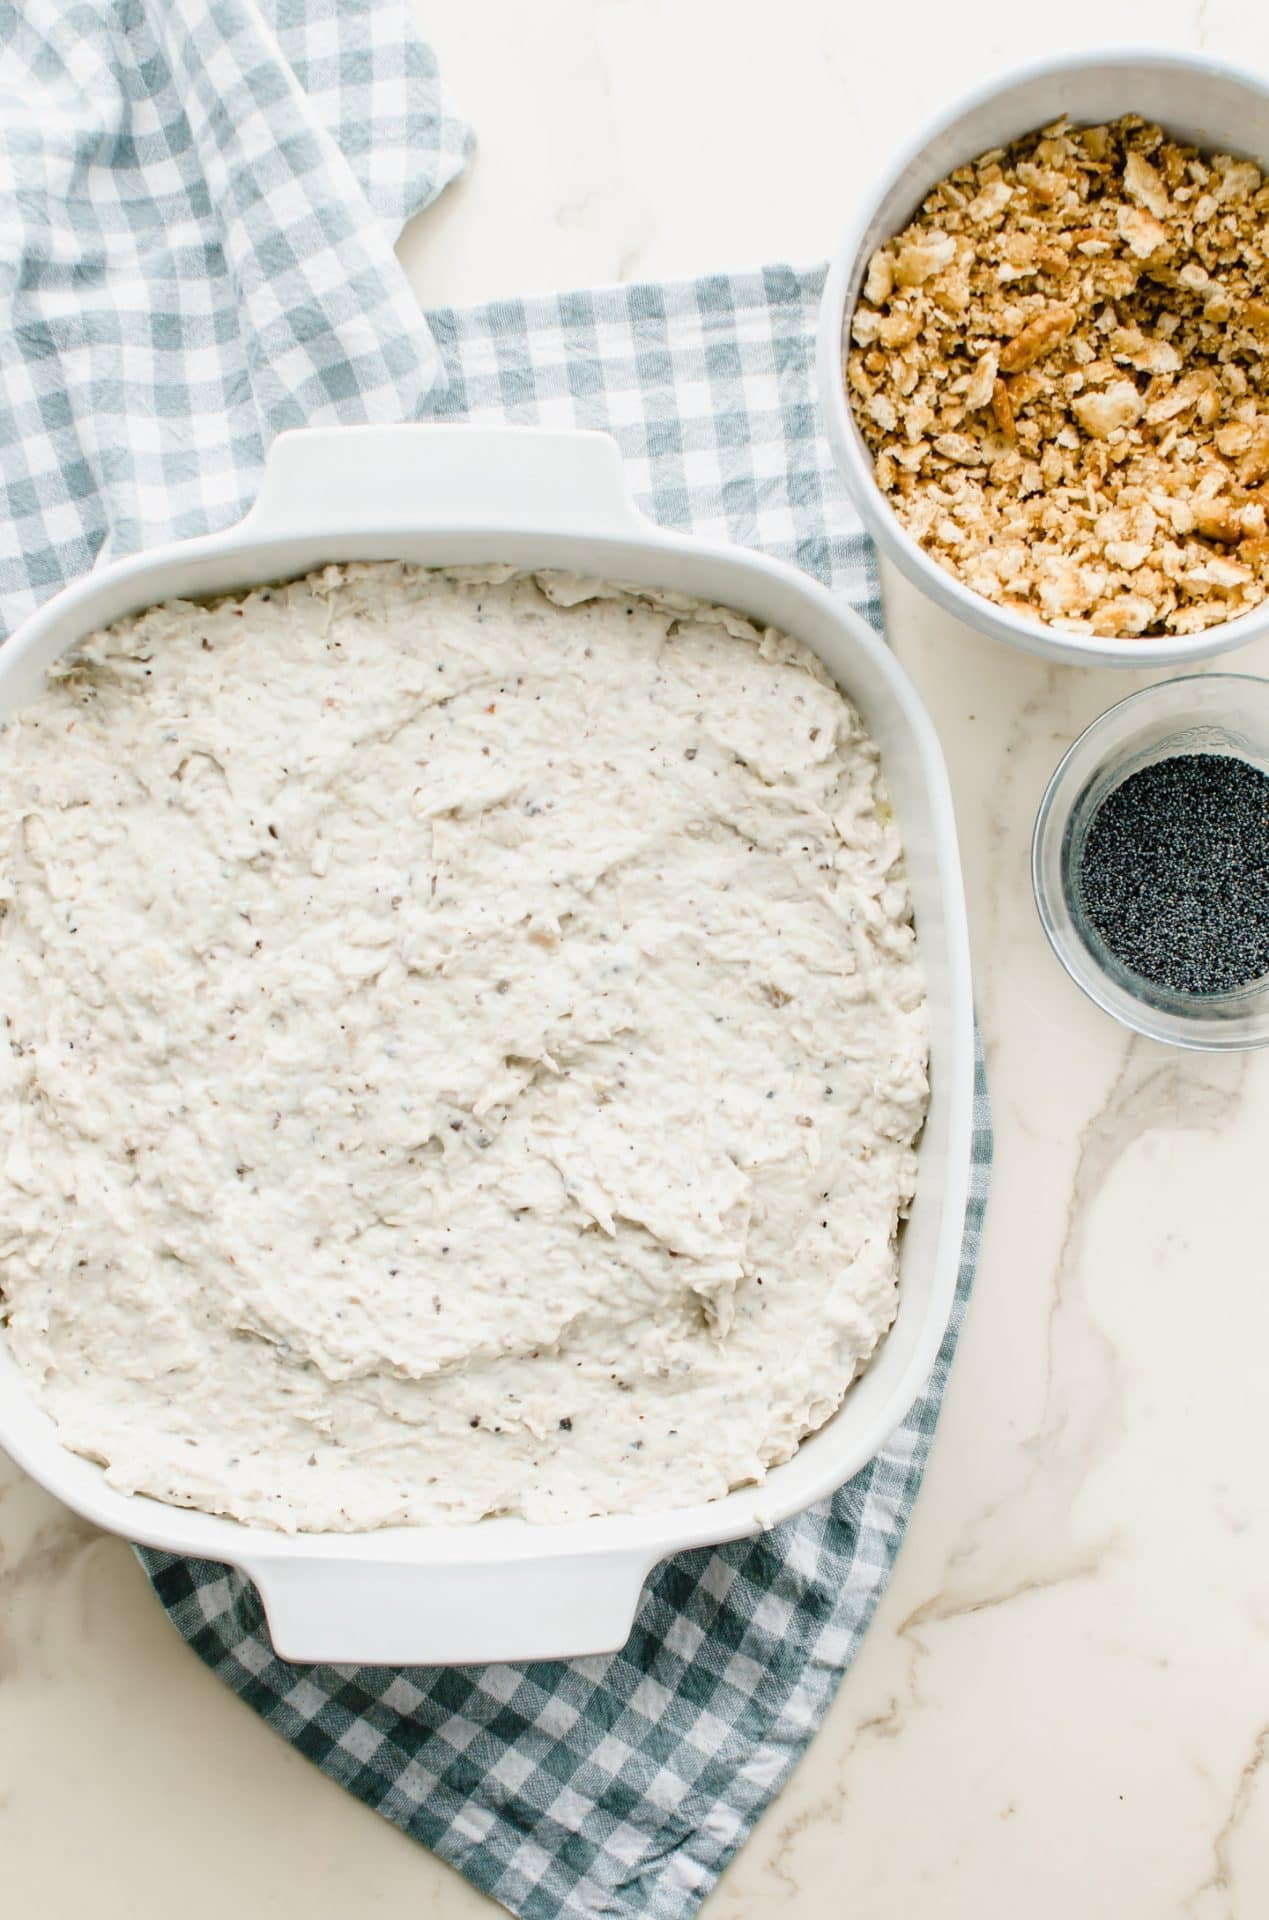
198, 205
198, 213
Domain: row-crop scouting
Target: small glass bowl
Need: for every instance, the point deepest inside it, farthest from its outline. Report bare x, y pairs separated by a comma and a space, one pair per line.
1200, 713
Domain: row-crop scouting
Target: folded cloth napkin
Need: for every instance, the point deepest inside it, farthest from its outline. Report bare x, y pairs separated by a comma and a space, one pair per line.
197, 251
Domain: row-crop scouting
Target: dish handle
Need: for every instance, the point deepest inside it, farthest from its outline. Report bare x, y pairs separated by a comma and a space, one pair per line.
460, 478
348, 1611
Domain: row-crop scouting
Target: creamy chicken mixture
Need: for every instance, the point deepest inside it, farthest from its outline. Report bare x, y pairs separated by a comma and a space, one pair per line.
463, 1048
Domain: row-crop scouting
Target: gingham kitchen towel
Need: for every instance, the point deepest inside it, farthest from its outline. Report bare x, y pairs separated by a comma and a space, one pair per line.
197, 251
198, 205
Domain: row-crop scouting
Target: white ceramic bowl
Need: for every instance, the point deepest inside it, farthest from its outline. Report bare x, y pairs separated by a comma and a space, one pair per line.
504, 1589
1201, 101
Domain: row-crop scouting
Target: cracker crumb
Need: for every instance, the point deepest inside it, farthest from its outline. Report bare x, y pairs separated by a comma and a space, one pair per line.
1061, 369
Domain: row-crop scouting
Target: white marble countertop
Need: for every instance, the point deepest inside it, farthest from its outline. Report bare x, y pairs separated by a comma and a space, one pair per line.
1062, 1707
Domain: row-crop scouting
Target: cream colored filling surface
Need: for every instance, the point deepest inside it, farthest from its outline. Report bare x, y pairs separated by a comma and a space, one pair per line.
463, 1047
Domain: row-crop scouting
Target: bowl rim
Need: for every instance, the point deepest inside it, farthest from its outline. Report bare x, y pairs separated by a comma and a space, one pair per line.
853, 463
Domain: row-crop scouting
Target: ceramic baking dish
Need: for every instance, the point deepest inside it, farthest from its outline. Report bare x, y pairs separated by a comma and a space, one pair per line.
505, 1589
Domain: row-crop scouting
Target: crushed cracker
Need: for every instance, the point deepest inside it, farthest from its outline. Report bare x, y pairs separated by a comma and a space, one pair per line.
1061, 369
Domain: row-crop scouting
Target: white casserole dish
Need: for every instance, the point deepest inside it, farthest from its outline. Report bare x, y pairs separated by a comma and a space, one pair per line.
1202, 101
504, 1589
